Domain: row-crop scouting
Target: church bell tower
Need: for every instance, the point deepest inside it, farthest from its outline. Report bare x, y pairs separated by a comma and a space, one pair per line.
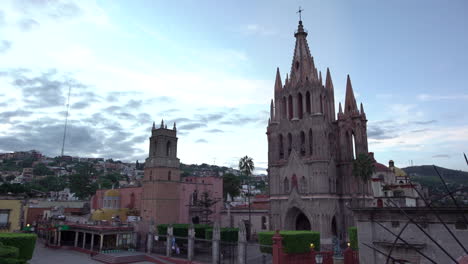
160, 199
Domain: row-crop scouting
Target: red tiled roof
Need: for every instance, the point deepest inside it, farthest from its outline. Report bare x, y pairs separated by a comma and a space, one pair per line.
380, 167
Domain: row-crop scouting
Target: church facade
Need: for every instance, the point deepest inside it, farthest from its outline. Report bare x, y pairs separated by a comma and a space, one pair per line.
166, 197
311, 151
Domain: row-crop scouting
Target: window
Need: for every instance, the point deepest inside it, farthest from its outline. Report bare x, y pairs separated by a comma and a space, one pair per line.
398, 193
303, 151
264, 225
395, 224
281, 148
308, 107
4, 217
460, 224
169, 175
311, 142
290, 107
289, 144
168, 149
283, 108
299, 105
303, 185
286, 185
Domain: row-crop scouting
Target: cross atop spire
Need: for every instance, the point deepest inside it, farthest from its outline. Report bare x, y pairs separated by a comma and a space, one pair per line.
300, 13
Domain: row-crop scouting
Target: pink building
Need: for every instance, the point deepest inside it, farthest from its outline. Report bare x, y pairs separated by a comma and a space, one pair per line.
191, 193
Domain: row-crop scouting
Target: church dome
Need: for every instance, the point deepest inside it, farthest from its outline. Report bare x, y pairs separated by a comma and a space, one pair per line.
399, 172
112, 193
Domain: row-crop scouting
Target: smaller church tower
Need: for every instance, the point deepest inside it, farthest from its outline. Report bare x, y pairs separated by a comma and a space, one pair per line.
161, 177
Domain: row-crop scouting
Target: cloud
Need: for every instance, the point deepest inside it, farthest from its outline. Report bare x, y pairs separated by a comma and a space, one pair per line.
191, 126
47, 89
5, 45
425, 122
201, 140
214, 131
2, 18
56, 10
441, 156
429, 97
80, 105
28, 24
6, 117
256, 29
379, 132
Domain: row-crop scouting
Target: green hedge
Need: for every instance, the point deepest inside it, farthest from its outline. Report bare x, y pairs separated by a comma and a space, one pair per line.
353, 238
293, 241
181, 230
227, 234
8, 252
24, 242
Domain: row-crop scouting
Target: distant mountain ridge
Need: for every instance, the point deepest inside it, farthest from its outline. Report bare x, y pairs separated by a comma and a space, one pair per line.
429, 173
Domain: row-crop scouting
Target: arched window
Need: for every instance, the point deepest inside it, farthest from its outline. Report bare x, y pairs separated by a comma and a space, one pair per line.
283, 108
350, 143
286, 185
169, 175
168, 149
308, 106
264, 223
321, 104
290, 107
303, 150
311, 143
353, 145
281, 147
289, 144
331, 144
299, 106
303, 185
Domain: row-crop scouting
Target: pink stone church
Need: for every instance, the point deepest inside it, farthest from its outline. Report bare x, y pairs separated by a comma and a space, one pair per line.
164, 198
311, 150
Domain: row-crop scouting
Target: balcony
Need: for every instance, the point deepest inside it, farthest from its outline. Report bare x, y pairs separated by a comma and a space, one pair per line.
5, 226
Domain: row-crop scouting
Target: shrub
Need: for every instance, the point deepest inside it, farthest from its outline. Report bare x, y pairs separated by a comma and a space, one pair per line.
227, 234
24, 242
293, 241
353, 237
8, 252
181, 230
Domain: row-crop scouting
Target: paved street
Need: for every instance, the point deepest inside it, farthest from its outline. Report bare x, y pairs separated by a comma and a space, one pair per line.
44, 255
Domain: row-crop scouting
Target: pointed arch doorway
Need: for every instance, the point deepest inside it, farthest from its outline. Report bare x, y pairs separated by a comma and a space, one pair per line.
296, 219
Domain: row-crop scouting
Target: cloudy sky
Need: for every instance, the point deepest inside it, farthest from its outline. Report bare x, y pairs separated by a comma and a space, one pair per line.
210, 66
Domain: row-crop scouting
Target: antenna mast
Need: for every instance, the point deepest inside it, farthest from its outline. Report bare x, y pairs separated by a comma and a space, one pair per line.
66, 119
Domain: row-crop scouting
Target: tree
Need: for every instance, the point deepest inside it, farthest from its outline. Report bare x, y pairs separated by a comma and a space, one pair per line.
53, 183
363, 167
205, 203
42, 170
81, 183
109, 180
9, 178
231, 185
246, 166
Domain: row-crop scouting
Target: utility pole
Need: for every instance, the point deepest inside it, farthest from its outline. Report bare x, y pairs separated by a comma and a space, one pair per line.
66, 119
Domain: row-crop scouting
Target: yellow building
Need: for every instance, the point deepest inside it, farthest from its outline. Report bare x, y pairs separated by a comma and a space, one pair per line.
12, 213
111, 208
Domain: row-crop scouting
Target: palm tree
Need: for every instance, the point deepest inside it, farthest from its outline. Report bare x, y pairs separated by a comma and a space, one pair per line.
363, 167
246, 166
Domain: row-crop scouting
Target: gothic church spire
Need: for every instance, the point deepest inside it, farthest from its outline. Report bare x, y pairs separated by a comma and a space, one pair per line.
350, 101
303, 63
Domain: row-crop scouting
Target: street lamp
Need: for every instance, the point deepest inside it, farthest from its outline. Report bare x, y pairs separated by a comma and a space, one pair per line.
319, 259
